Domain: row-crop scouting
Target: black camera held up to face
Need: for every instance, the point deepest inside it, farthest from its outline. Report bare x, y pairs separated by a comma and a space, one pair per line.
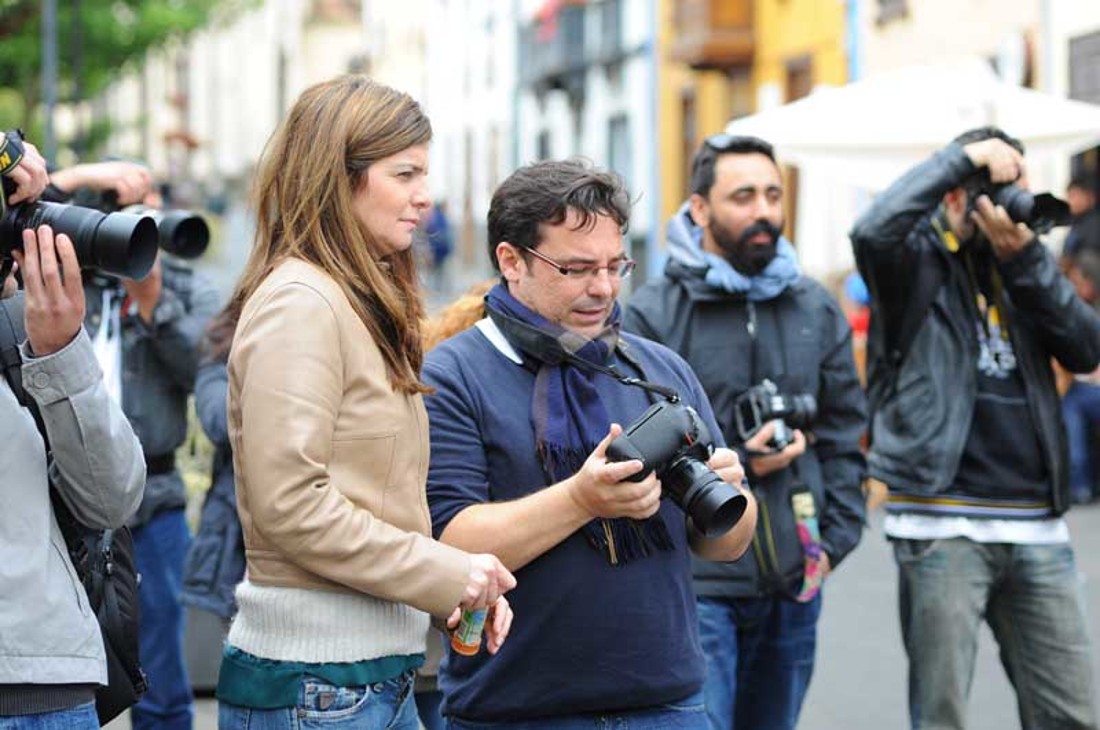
763, 403
671, 439
1039, 211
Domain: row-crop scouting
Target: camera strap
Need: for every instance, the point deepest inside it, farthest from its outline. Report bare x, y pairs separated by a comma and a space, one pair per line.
613, 372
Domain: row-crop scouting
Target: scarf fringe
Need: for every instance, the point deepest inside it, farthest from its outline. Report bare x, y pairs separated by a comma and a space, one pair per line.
620, 540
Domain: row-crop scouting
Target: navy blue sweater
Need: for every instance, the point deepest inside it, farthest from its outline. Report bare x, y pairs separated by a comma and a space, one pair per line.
588, 636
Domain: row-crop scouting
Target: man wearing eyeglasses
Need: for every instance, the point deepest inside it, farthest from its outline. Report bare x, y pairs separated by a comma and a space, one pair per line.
525, 405
733, 303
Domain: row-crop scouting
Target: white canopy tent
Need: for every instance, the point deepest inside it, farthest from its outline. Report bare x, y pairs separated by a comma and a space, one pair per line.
852, 141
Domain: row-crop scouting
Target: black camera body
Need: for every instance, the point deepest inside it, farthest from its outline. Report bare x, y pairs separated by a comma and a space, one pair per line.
671, 439
1039, 211
763, 403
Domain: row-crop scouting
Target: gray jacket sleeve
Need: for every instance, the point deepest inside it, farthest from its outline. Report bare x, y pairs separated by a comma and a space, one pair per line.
98, 465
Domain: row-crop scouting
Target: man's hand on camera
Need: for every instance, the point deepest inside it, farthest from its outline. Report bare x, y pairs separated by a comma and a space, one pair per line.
54, 292
30, 176
769, 462
1006, 236
1004, 161
598, 488
727, 464
146, 292
130, 181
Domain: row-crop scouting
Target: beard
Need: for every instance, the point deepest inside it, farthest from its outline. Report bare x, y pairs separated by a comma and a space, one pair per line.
747, 258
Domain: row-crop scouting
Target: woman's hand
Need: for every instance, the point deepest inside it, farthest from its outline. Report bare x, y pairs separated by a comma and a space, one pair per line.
488, 581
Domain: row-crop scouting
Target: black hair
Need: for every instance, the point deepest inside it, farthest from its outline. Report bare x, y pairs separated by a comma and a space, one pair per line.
979, 134
702, 165
544, 193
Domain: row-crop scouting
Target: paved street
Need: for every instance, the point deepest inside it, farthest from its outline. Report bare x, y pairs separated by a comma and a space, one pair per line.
859, 682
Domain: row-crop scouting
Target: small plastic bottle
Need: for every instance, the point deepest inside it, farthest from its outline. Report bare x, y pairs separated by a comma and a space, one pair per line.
466, 639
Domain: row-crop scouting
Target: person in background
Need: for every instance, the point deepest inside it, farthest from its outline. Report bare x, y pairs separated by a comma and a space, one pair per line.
734, 304
968, 310
146, 335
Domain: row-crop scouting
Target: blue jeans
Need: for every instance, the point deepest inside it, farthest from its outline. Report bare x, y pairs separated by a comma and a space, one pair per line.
81, 717
380, 705
1081, 412
160, 547
760, 658
687, 714
1031, 599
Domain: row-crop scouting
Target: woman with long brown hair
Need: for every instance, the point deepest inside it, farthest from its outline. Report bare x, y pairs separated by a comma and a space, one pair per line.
328, 427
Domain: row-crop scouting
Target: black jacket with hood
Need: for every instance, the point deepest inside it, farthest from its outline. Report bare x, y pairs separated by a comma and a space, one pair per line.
923, 391
803, 344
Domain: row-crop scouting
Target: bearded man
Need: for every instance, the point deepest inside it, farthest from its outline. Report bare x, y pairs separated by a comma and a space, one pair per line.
763, 340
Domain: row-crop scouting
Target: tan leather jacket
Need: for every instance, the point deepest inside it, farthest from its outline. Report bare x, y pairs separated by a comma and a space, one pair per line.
330, 461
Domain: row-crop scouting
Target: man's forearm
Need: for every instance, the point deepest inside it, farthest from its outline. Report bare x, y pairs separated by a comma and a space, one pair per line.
517, 532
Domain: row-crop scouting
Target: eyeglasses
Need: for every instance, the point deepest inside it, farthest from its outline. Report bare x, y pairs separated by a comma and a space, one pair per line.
616, 269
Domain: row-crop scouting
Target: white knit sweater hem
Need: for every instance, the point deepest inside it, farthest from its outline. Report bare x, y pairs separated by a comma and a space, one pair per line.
304, 625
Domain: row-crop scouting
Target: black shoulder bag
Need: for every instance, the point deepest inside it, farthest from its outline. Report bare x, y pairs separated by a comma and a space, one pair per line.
104, 559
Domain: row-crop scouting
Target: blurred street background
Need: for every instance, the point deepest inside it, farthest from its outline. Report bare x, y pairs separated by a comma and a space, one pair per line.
850, 91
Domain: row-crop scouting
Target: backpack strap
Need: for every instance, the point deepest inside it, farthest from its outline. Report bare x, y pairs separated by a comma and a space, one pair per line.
12, 334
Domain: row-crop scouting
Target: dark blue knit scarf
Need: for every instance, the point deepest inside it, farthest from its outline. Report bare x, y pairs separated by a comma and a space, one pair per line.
567, 413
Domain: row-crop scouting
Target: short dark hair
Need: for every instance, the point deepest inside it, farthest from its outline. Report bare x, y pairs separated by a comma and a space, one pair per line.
1082, 181
702, 165
979, 134
545, 192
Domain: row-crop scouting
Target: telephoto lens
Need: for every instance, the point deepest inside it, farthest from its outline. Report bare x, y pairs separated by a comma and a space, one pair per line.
115, 243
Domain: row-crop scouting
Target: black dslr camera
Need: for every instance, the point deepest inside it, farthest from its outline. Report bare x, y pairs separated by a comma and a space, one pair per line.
762, 403
1040, 211
117, 243
672, 440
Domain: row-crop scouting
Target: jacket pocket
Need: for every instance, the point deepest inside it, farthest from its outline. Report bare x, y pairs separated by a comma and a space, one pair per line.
361, 468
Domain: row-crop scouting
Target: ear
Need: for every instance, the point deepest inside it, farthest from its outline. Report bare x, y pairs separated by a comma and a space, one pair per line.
700, 210
510, 261
955, 201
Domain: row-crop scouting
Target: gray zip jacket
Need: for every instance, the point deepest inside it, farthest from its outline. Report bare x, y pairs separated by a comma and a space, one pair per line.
48, 634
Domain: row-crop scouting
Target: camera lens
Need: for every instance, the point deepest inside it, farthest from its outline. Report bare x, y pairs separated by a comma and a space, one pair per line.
116, 243
1017, 202
713, 505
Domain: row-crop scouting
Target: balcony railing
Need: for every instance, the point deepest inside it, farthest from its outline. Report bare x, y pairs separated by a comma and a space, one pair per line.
713, 34
552, 52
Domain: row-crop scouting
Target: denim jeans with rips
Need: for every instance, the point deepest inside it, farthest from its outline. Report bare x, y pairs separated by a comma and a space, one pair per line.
760, 658
1031, 598
388, 704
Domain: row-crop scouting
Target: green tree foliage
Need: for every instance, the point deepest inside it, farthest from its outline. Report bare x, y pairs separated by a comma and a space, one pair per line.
96, 38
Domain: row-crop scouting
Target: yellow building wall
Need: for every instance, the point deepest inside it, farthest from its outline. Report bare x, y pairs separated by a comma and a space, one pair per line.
717, 97
784, 31
788, 30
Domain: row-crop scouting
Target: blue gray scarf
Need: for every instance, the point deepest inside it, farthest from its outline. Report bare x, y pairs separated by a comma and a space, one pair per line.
685, 244
567, 413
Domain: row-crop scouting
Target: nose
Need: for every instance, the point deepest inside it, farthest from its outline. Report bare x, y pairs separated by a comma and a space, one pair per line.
602, 284
421, 197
